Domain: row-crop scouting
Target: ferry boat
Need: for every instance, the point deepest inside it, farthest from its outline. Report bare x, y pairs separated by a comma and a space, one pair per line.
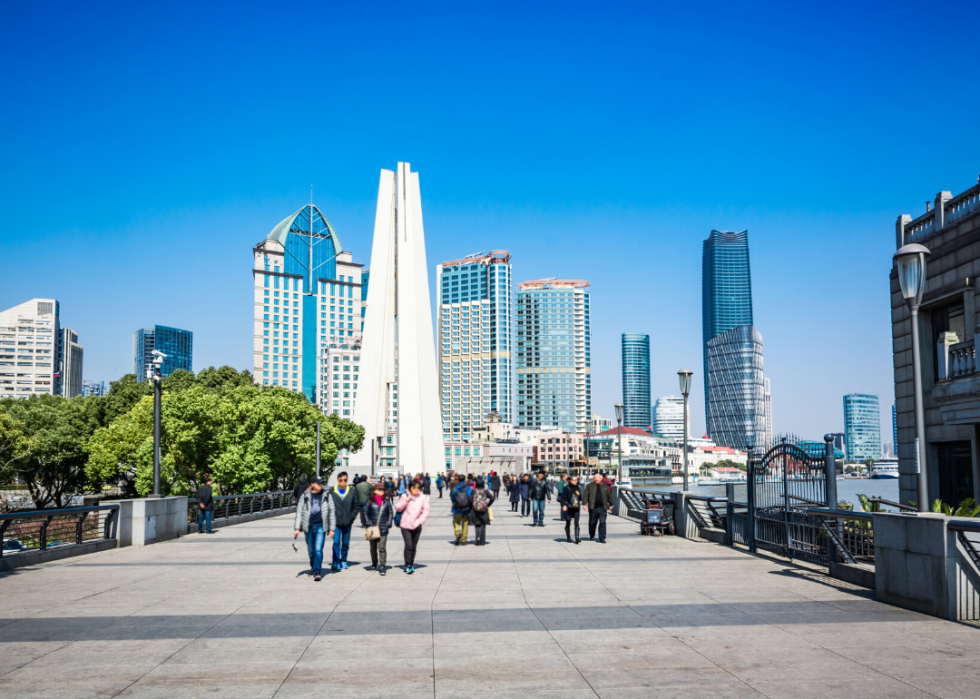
886, 468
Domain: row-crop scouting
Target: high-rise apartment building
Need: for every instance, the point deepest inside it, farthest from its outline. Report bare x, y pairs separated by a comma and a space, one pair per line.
70, 363
862, 427
736, 406
554, 362
726, 292
93, 388
475, 328
636, 380
177, 344
29, 338
768, 410
668, 417
308, 293
340, 369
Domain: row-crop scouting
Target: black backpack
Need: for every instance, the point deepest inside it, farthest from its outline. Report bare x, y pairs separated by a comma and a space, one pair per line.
461, 499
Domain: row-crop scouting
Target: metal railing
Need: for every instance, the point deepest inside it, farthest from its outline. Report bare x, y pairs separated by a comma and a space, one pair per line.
227, 506
852, 533
632, 503
708, 511
968, 571
39, 530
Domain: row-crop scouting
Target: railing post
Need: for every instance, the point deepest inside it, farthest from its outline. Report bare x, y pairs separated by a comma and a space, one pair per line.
729, 513
78, 527
3, 528
750, 499
44, 533
830, 484
108, 522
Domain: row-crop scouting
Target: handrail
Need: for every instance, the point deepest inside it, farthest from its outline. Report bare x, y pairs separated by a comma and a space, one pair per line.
64, 511
840, 514
963, 525
707, 498
47, 517
903, 508
244, 495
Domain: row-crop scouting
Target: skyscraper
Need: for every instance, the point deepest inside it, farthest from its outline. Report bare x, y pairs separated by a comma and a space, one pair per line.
34, 329
554, 362
398, 357
177, 344
308, 293
93, 388
475, 338
636, 381
736, 406
70, 362
862, 427
668, 417
726, 291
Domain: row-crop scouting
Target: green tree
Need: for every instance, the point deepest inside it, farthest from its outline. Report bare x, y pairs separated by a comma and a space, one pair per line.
14, 445
123, 395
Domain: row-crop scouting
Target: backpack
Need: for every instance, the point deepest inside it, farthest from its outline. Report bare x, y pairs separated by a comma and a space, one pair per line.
481, 503
461, 499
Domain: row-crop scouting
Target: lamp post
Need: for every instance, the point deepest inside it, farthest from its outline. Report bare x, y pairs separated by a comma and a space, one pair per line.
619, 442
910, 263
154, 374
684, 375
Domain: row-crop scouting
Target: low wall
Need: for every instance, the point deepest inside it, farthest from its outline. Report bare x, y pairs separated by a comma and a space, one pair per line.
11, 561
241, 519
151, 520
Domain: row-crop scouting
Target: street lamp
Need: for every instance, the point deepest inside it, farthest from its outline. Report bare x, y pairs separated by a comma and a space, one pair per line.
685, 378
910, 263
153, 373
619, 442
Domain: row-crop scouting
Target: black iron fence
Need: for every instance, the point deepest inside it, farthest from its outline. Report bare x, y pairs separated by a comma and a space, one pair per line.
228, 506
39, 530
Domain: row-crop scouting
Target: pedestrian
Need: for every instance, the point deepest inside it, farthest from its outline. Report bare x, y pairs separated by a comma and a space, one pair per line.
481, 500
414, 506
515, 493
378, 514
301, 486
363, 490
460, 496
205, 506
571, 507
345, 505
439, 484
314, 514
401, 485
539, 491
562, 483
524, 486
495, 485
426, 485
597, 499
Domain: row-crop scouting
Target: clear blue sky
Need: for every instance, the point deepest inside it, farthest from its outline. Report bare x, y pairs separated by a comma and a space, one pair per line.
145, 149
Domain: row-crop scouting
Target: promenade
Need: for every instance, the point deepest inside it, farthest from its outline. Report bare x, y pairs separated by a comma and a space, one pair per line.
234, 615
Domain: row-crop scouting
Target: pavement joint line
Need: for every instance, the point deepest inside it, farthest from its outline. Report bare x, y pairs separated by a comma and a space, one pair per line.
432, 617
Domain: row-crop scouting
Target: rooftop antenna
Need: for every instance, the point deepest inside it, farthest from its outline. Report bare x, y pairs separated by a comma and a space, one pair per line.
310, 267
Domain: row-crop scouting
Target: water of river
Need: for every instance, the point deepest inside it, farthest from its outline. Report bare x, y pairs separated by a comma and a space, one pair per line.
847, 489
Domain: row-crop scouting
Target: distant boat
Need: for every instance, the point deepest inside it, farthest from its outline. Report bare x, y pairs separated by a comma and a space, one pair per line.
886, 468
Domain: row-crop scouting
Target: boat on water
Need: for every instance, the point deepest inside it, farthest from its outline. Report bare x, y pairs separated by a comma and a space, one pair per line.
886, 468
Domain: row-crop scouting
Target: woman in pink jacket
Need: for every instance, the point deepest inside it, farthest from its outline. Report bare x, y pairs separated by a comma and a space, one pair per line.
414, 508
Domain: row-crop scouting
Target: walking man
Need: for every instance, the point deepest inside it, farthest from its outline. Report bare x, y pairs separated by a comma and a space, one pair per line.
439, 484
461, 511
345, 504
205, 506
495, 485
524, 487
363, 490
301, 486
598, 501
538, 492
314, 514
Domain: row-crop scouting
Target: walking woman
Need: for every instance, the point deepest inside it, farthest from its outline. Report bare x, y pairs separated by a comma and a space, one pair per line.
515, 494
414, 507
378, 514
571, 507
480, 501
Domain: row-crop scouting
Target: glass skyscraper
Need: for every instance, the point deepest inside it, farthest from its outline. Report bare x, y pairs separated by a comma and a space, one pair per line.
736, 404
862, 427
177, 344
726, 291
668, 417
554, 361
636, 381
475, 339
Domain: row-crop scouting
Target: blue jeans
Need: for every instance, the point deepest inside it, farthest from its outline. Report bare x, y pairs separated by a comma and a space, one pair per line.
203, 520
537, 510
341, 543
314, 545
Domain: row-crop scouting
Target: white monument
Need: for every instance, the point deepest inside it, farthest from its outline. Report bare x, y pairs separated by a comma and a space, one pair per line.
398, 398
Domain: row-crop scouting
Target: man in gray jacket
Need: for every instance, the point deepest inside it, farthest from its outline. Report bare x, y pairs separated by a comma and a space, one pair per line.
315, 517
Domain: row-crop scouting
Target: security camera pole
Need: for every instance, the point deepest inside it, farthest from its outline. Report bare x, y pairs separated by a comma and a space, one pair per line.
154, 375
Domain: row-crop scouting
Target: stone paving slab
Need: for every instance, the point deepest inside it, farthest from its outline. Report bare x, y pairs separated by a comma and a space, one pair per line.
237, 615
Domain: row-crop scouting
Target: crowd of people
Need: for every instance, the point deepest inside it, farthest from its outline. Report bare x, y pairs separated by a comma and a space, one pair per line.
404, 503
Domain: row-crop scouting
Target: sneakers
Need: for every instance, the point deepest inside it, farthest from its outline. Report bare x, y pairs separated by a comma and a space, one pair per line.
381, 572
578, 541
373, 568
344, 566
317, 577
410, 570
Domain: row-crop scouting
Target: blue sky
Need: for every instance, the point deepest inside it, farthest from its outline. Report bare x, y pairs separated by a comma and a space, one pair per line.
145, 149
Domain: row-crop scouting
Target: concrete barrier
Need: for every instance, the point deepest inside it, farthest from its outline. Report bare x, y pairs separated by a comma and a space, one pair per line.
150, 520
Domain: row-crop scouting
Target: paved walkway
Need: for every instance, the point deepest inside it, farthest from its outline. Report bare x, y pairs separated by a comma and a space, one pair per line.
234, 615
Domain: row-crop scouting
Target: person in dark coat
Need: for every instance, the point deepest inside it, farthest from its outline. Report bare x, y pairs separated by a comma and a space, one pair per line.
515, 494
205, 506
345, 505
597, 498
525, 488
482, 498
426, 485
571, 507
495, 485
378, 512
301, 486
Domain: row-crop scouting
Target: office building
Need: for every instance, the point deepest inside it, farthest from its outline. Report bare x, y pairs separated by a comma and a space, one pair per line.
636, 380
93, 388
554, 380
726, 291
862, 427
70, 363
668, 417
768, 411
308, 293
475, 328
840, 442
177, 344
599, 424
398, 356
29, 338
736, 408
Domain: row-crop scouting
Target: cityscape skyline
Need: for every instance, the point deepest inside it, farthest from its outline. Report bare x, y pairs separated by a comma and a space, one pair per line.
823, 248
